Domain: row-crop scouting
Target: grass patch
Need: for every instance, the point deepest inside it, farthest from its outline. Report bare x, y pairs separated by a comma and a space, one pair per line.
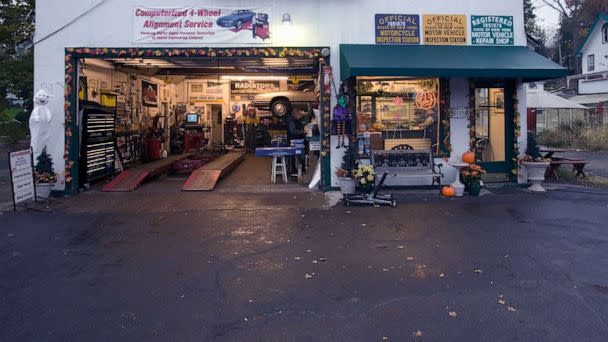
597, 181
9, 114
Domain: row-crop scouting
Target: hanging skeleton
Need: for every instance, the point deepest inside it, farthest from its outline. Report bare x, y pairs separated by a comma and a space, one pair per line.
342, 119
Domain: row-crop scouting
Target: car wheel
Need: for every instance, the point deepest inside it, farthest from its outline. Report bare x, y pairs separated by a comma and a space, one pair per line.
239, 25
280, 108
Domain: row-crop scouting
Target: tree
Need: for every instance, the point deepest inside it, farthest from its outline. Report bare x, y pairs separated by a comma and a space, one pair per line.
533, 29
576, 18
16, 54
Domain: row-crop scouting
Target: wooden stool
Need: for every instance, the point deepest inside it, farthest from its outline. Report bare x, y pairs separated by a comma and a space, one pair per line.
279, 167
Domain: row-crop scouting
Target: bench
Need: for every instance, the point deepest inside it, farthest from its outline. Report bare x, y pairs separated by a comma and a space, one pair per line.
404, 165
577, 167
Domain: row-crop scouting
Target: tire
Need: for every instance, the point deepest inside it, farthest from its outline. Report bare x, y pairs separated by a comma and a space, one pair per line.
239, 25
280, 108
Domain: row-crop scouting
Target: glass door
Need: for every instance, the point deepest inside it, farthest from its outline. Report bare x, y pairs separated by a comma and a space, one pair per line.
491, 139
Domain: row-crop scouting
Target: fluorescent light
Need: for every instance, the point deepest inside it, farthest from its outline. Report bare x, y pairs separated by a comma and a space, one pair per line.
254, 78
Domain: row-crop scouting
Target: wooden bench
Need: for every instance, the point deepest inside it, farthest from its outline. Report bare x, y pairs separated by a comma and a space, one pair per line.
577, 167
403, 165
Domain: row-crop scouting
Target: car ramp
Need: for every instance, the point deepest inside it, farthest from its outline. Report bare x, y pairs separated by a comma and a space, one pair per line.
206, 178
131, 179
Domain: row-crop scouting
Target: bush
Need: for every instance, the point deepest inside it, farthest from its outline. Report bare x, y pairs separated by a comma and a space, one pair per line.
13, 133
578, 136
593, 139
555, 138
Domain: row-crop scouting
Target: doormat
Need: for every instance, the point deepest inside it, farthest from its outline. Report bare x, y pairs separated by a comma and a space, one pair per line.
507, 190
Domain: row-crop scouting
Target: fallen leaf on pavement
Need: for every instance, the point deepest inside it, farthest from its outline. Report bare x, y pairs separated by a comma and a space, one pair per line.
417, 333
512, 309
315, 262
478, 271
453, 314
501, 302
297, 258
363, 225
400, 247
308, 251
307, 276
410, 258
384, 338
441, 275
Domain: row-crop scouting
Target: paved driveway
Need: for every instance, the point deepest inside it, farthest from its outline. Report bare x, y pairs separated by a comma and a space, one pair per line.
159, 265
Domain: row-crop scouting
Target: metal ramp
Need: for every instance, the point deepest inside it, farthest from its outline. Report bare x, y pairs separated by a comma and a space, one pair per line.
206, 178
128, 180
131, 179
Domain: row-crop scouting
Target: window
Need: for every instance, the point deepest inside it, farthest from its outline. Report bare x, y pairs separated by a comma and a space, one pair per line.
590, 62
605, 33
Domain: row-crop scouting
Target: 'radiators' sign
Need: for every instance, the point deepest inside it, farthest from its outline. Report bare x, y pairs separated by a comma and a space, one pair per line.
397, 29
444, 29
492, 30
201, 25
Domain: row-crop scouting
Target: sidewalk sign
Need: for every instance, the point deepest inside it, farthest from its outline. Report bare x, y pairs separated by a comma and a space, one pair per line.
21, 169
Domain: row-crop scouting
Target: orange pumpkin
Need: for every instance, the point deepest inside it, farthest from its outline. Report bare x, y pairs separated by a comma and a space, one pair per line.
448, 191
468, 157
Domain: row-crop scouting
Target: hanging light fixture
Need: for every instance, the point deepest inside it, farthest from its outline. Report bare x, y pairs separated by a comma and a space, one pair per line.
286, 20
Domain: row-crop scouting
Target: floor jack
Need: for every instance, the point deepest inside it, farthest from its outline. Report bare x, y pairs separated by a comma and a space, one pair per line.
373, 198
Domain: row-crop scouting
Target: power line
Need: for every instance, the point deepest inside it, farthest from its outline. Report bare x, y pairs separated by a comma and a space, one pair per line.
69, 23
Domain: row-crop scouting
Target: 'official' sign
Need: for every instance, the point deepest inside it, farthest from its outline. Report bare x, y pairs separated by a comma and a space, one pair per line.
397, 29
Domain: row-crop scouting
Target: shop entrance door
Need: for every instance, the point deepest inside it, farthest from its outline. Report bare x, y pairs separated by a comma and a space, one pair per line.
217, 127
492, 129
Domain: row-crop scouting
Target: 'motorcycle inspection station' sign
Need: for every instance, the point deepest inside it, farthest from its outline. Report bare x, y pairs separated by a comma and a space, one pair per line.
492, 30
397, 29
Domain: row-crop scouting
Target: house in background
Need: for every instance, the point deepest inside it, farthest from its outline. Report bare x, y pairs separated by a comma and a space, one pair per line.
591, 86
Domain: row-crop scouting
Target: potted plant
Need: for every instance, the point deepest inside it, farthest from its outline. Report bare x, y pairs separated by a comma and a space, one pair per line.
471, 177
365, 177
535, 164
345, 172
44, 175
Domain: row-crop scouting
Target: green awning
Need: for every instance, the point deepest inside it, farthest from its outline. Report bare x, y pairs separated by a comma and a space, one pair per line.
517, 62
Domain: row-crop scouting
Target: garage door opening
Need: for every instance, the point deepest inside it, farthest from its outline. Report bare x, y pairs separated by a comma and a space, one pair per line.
203, 119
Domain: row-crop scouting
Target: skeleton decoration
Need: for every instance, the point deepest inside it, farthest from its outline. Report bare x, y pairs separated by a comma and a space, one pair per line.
342, 119
40, 122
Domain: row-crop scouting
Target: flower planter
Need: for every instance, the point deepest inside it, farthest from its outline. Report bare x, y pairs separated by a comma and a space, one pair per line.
347, 185
536, 174
43, 190
474, 188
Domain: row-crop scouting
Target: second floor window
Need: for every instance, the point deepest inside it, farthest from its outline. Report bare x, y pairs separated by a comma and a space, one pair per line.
605, 33
590, 62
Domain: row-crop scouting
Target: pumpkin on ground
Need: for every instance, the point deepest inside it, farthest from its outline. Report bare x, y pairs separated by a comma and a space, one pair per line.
468, 157
448, 191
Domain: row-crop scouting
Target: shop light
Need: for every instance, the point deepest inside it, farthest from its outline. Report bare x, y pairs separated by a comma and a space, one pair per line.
254, 78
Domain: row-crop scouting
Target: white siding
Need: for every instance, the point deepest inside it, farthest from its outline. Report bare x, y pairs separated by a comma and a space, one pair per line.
317, 23
595, 46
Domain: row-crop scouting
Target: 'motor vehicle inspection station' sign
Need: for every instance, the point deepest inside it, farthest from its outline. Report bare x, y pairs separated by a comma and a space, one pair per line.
444, 29
492, 30
397, 29
22, 176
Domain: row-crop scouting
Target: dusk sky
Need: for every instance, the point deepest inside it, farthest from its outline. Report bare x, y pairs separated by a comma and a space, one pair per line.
548, 17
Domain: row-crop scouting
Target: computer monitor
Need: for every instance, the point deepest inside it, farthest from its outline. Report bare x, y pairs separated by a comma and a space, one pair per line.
192, 118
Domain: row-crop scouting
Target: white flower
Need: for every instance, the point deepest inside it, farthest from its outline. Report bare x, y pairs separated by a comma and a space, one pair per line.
370, 178
363, 181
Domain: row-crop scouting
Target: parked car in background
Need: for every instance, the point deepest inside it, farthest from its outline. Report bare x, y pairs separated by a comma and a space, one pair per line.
237, 19
280, 103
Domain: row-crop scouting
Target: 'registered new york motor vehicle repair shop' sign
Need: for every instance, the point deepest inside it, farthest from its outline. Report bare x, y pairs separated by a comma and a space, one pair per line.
201, 25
